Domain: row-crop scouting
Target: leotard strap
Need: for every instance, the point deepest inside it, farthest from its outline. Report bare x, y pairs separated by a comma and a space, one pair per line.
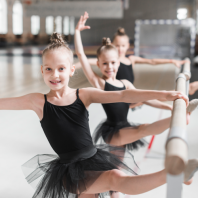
122, 83
77, 92
45, 96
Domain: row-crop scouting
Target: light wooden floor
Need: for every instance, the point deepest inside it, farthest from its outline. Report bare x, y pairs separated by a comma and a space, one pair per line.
21, 136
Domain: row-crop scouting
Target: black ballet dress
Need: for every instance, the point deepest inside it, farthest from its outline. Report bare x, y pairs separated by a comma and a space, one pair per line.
125, 72
116, 120
78, 162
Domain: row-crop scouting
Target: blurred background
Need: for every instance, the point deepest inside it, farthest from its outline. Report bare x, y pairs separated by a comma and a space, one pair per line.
157, 29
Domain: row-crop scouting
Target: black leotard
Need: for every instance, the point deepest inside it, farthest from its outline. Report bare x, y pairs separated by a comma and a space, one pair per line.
79, 163
125, 72
116, 112
66, 127
116, 119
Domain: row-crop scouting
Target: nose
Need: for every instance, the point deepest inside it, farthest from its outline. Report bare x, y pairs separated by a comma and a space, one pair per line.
55, 73
110, 65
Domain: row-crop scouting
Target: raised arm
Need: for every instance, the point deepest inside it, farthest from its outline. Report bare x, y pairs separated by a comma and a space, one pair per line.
95, 80
136, 59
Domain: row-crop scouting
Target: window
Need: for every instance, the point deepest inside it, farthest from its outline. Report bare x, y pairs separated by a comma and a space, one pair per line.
58, 24
72, 25
17, 18
49, 25
66, 25
35, 24
182, 13
3, 17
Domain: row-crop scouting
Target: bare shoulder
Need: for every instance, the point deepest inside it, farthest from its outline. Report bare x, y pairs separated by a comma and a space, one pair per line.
87, 94
37, 100
128, 84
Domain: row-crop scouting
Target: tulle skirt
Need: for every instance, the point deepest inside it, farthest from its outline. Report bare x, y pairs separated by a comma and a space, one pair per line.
54, 179
106, 129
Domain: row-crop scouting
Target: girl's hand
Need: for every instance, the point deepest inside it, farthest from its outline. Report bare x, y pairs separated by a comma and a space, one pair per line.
178, 63
81, 23
173, 95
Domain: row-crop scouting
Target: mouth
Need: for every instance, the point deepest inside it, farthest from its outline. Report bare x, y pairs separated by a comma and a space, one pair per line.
55, 82
109, 72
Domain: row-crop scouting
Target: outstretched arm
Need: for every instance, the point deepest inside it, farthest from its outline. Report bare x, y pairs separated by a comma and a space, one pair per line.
95, 80
136, 59
158, 104
18, 103
152, 103
92, 95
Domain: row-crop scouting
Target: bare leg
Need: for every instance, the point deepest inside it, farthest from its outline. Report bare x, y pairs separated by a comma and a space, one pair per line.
87, 196
193, 87
128, 135
116, 180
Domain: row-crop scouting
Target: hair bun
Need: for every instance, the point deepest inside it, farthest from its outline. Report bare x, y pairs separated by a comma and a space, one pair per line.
106, 41
121, 31
57, 38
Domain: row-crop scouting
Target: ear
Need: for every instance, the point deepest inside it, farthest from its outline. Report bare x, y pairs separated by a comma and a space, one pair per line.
128, 46
98, 64
42, 70
72, 70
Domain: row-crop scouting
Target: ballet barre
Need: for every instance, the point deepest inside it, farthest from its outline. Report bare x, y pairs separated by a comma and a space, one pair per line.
176, 145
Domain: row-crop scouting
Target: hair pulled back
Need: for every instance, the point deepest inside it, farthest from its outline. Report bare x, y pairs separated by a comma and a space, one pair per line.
56, 42
106, 46
120, 32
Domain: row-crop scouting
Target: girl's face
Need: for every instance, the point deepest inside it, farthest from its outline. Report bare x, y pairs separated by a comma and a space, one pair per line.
57, 69
108, 62
122, 44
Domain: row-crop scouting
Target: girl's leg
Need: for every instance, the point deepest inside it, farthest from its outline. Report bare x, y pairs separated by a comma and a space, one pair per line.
87, 196
128, 135
116, 180
193, 87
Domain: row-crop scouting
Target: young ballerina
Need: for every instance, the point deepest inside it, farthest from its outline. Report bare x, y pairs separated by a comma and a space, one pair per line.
127, 64
115, 130
80, 168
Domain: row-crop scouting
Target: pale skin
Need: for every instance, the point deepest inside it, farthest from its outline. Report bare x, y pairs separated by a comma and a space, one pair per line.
108, 63
56, 71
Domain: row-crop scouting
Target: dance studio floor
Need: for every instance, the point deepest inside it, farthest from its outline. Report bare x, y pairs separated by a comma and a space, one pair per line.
21, 136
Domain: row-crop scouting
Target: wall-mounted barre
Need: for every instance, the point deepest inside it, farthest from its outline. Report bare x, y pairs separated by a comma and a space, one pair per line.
176, 146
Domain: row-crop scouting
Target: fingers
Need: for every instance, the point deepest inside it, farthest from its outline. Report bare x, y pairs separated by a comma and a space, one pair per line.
184, 97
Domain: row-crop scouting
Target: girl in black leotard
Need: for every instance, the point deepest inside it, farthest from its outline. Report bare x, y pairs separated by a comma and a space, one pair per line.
79, 168
116, 130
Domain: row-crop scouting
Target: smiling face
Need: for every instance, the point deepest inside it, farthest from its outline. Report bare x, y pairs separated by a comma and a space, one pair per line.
122, 44
57, 68
108, 62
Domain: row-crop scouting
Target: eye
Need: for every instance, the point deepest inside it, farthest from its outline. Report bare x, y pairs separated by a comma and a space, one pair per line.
113, 62
104, 63
48, 69
62, 68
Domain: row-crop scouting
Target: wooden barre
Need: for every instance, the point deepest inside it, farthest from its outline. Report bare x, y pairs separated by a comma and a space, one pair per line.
186, 70
176, 147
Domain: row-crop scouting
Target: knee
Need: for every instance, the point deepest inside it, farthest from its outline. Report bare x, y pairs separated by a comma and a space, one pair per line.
142, 129
115, 176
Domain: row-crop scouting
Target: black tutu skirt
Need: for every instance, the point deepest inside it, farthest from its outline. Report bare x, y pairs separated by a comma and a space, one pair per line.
57, 178
106, 129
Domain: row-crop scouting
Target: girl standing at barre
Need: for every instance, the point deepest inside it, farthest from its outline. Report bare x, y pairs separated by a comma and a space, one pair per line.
116, 130
79, 168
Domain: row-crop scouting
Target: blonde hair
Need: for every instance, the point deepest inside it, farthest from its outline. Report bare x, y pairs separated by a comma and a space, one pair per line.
56, 42
120, 32
106, 46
